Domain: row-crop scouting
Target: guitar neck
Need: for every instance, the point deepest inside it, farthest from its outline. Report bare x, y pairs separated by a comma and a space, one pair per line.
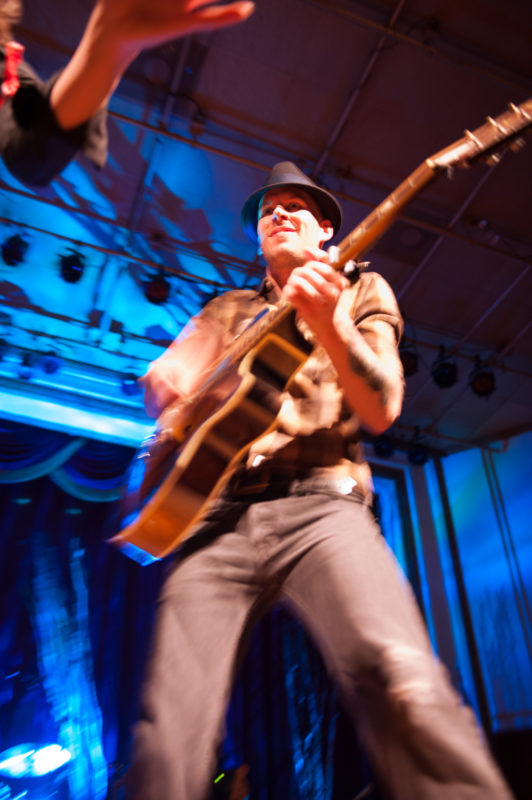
365, 235
259, 328
483, 142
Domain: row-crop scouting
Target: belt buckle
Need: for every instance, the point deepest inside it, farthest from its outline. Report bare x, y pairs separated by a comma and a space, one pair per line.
342, 485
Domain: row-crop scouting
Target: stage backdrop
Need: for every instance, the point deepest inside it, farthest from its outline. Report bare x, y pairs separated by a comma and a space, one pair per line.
76, 616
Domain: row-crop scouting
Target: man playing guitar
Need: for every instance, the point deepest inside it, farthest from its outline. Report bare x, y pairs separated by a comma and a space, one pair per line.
293, 523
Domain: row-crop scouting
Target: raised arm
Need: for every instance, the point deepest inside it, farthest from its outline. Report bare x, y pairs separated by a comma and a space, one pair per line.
115, 33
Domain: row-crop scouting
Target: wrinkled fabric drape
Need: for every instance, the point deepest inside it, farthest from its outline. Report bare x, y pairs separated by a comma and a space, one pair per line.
56, 496
84, 468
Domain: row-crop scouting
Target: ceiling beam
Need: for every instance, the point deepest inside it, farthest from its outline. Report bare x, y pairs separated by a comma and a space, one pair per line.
353, 97
478, 62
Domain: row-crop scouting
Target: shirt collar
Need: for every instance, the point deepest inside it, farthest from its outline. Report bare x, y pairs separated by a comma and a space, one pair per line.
269, 291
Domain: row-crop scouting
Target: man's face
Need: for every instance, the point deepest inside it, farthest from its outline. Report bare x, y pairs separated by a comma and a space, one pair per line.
290, 223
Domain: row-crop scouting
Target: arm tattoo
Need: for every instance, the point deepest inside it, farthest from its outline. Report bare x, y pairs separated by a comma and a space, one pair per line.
375, 377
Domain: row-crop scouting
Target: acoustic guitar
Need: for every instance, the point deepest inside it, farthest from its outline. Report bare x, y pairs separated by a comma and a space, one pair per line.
199, 443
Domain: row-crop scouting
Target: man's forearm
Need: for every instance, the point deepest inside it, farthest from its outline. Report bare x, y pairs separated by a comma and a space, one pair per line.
372, 382
373, 374
92, 73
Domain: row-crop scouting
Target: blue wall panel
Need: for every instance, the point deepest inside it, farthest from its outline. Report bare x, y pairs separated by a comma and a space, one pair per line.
494, 595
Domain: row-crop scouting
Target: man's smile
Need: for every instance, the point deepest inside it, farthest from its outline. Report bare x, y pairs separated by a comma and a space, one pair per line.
284, 228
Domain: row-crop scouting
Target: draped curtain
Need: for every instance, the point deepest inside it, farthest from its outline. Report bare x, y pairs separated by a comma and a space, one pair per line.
75, 624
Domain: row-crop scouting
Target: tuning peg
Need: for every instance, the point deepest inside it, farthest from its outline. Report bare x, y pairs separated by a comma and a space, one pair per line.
519, 110
517, 144
493, 159
497, 125
474, 139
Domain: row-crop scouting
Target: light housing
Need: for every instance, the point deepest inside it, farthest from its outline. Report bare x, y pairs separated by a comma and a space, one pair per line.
444, 370
482, 378
14, 250
71, 266
157, 290
409, 358
384, 446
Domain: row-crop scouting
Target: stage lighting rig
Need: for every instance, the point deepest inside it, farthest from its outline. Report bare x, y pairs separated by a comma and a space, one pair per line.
444, 370
409, 358
71, 266
482, 379
157, 289
14, 250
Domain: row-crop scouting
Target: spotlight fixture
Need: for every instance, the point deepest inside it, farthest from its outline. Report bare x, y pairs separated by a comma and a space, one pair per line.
71, 265
409, 358
34, 770
50, 363
444, 370
157, 289
383, 446
482, 379
417, 451
14, 250
26, 368
130, 384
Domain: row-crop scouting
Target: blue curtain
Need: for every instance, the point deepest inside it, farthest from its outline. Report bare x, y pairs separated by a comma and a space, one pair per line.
75, 625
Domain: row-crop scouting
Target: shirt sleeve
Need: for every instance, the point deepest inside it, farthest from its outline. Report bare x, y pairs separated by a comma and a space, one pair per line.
33, 146
179, 371
374, 303
183, 367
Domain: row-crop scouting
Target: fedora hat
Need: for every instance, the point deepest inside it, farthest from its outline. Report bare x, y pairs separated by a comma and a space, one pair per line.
287, 174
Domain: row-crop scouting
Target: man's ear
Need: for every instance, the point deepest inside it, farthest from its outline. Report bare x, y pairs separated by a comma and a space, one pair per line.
328, 230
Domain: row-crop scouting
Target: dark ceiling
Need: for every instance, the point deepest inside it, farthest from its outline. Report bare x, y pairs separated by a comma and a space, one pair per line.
357, 93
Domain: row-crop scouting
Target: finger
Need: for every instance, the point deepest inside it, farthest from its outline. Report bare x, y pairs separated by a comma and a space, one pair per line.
325, 273
215, 17
312, 287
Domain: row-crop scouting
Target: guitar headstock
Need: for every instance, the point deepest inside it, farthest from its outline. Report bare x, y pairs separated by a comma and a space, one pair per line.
488, 141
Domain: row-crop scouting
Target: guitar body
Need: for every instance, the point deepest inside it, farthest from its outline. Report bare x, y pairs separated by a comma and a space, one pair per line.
175, 476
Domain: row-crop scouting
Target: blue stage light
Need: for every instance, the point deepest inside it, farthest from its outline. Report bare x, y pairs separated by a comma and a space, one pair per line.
32, 761
130, 384
157, 290
13, 250
51, 363
71, 266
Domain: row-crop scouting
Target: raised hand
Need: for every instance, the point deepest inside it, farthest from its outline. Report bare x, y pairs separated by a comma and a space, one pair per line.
147, 23
116, 31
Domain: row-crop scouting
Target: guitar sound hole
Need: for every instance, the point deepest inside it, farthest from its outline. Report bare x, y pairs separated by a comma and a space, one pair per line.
267, 376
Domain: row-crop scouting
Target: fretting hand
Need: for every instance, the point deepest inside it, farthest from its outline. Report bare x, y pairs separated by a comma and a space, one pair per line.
314, 289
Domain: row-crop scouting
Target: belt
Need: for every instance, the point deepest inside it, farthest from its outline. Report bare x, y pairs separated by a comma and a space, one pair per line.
245, 488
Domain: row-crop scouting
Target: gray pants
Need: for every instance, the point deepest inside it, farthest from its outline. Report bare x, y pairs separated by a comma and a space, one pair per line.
327, 558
